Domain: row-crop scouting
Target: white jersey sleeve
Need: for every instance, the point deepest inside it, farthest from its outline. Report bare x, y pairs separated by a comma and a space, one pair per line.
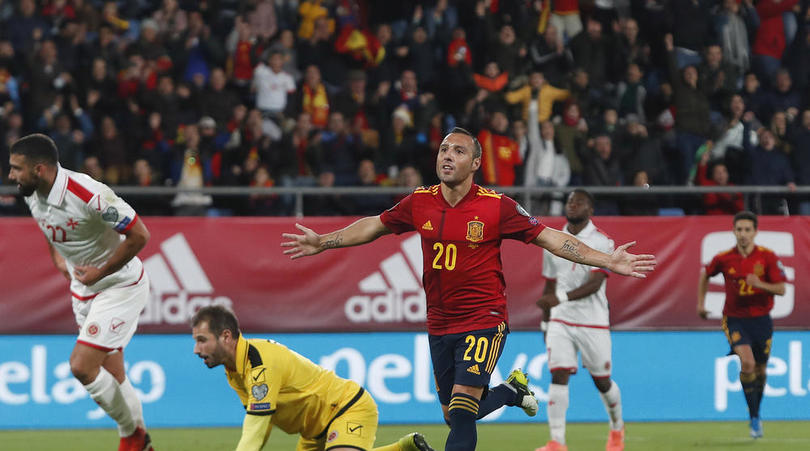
549, 269
113, 211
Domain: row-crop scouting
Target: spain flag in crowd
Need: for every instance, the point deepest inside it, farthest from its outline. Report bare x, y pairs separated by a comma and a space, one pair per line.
362, 45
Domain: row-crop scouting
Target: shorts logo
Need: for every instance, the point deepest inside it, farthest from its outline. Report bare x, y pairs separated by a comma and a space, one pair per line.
607, 366
115, 325
354, 429
474, 369
92, 329
735, 336
475, 231
332, 436
259, 391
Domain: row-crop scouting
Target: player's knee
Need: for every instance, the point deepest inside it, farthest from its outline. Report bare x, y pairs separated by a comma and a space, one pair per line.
602, 384
82, 372
560, 377
747, 365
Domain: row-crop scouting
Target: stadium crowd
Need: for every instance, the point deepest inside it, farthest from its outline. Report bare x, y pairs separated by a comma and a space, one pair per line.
360, 93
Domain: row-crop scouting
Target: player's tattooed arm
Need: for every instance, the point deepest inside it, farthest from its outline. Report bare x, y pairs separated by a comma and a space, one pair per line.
332, 241
570, 249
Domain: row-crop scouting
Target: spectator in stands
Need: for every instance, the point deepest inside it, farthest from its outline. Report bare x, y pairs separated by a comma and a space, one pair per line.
272, 86
190, 174
217, 101
770, 167
643, 152
500, 154
770, 43
70, 141
779, 127
571, 132
550, 56
336, 150
734, 22
565, 18
371, 203
692, 112
594, 52
491, 86
781, 96
508, 52
26, 28
546, 166
112, 150
92, 167
602, 168
632, 48
800, 157
631, 94
716, 174
319, 49
399, 145
313, 98
717, 78
754, 96
736, 136
422, 58
537, 94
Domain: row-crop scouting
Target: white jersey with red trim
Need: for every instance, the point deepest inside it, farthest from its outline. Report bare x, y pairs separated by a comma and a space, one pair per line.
85, 221
588, 311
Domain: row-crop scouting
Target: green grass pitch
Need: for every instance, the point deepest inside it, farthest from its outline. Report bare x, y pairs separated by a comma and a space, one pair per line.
716, 436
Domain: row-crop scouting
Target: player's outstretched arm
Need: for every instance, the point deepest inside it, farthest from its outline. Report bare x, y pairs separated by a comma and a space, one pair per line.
620, 261
136, 238
359, 232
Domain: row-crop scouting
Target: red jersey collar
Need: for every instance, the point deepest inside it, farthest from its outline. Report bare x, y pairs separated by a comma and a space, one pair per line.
470, 194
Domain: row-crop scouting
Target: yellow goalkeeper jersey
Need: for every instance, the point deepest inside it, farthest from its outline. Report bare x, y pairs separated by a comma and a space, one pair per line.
280, 387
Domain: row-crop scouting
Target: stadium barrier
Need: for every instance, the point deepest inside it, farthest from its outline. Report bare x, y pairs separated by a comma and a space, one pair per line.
664, 376
238, 262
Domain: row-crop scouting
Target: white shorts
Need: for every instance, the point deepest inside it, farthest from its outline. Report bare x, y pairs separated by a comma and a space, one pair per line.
108, 321
564, 341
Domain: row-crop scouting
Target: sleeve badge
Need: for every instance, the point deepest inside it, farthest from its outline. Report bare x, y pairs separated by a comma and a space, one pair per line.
258, 391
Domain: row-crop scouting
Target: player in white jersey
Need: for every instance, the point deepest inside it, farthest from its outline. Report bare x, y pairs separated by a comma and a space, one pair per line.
574, 295
93, 237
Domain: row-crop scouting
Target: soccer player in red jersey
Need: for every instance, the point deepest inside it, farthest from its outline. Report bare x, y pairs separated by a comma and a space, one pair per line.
462, 226
753, 274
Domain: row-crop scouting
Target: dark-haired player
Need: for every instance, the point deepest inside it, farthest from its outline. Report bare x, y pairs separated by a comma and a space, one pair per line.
93, 237
752, 274
462, 226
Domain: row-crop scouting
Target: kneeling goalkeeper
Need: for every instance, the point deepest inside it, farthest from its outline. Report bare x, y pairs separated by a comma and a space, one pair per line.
280, 387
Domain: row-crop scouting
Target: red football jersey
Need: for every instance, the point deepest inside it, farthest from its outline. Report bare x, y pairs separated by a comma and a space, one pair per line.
461, 250
743, 300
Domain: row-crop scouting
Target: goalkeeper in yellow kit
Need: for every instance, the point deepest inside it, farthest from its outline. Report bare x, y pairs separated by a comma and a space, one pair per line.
280, 387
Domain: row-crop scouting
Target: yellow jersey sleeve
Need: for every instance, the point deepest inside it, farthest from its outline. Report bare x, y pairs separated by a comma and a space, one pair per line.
255, 431
262, 381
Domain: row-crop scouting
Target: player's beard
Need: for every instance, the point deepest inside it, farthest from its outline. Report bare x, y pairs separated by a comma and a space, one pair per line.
574, 220
27, 189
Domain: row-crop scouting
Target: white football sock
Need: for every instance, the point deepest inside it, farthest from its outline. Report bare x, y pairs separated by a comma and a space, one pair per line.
131, 396
557, 406
613, 404
106, 392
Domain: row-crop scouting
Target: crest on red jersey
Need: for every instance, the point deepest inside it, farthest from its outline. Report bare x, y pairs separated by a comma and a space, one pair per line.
759, 269
475, 231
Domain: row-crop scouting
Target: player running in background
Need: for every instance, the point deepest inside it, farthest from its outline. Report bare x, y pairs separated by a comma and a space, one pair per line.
576, 319
93, 237
462, 226
278, 386
752, 274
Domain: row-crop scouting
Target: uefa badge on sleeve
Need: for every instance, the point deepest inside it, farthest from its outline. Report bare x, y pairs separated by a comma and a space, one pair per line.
259, 391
